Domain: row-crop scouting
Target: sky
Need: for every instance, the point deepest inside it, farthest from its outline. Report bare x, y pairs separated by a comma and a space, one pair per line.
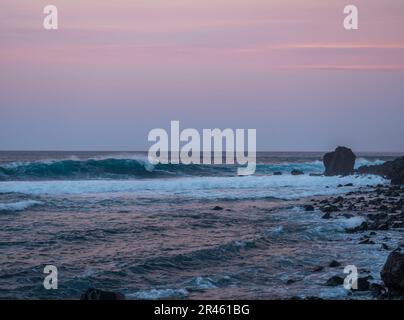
114, 70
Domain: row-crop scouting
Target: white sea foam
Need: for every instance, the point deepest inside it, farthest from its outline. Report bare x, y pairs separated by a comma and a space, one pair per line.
155, 294
366, 162
18, 206
352, 222
202, 283
251, 187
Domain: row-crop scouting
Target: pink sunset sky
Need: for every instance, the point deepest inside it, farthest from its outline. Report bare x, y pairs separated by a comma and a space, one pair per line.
117, 69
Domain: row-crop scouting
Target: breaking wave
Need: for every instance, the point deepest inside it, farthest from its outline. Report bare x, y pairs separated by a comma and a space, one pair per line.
18, 206
155, 294
132, 168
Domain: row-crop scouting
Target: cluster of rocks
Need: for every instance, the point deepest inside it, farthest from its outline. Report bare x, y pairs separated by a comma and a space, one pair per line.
294, 172
342, 162
393, 170
96, 294
392, 275
381, 208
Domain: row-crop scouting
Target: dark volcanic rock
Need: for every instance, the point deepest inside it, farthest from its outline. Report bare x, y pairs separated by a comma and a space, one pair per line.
393, 170
334, 264
366, 241
96, 294
363, 284
338, 199
383, 208
313, 298
308, 207
296, 172
384, 247
318, 268
378, 291
329, 208
362, 227
397, 224
393, 271
291, 281
339, 162
326, 216
334, 281
217, 208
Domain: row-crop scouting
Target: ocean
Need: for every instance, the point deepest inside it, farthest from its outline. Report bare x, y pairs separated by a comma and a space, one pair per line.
113, 221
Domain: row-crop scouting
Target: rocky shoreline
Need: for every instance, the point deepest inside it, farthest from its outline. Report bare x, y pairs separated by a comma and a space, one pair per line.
380, 207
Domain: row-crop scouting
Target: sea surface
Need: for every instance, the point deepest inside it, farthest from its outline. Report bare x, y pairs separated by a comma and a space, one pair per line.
113, 221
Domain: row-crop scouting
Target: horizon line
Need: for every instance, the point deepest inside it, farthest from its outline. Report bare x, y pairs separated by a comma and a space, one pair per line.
258, 151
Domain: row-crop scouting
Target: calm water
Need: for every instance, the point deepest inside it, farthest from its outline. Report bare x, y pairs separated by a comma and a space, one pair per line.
115, 222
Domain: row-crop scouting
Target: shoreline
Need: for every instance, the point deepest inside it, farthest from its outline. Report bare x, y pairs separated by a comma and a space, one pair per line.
381, 210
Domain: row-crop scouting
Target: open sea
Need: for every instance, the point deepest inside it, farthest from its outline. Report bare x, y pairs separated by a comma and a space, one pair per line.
113, 221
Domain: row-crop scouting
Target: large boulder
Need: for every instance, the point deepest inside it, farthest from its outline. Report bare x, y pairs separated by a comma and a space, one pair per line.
339, 162
96, 294
393, 170
393, 271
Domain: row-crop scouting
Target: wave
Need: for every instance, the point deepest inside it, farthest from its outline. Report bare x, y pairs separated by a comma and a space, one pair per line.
201, 283
137, 168
366, 162
108, 168
196, 284
18, 206
156, 294
198, 257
